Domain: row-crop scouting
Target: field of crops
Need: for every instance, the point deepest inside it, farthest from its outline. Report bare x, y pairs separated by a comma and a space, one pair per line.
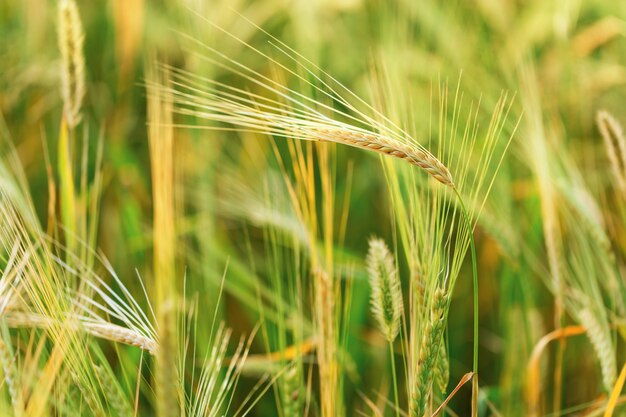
312, 208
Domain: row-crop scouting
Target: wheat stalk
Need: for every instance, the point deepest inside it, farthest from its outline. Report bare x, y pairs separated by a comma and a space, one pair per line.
71, 38
324, 298
161, 141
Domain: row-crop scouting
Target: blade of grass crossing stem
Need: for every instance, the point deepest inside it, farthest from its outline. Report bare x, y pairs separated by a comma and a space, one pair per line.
533, 378
462, 382
617, 389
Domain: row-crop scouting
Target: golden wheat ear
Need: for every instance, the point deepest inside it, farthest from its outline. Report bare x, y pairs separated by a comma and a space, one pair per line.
230, 107
388, 146
269, 107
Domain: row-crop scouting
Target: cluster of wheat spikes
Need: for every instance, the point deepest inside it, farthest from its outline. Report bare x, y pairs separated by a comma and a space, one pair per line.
435, 225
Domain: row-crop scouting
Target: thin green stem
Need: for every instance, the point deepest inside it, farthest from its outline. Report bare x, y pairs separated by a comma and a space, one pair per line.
67, 191
395, 379
475, 296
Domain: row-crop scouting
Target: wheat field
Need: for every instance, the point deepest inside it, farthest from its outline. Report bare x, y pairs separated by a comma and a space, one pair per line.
320, 208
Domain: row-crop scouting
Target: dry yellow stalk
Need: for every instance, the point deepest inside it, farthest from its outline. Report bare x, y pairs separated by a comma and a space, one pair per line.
161, 139
615, 392
533, 377
326, 350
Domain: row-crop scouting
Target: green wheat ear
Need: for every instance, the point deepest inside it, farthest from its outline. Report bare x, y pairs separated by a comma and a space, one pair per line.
386, 298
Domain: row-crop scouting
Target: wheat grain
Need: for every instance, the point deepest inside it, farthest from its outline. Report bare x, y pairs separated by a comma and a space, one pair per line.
443, 368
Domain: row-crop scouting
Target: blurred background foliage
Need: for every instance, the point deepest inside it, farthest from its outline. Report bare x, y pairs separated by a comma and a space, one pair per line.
563, 60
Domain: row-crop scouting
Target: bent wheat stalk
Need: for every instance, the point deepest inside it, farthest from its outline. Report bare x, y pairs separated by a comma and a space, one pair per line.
294, 116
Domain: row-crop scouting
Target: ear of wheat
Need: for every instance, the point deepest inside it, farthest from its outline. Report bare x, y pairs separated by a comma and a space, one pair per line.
429, 353
279, 111
113, 393
9, 368
71, 38
615, 146
386, 300
291, 395
98, 328
601, 340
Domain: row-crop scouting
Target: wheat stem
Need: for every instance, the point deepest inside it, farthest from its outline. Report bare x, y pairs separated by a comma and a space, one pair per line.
475, 297
394, 378
161, 140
